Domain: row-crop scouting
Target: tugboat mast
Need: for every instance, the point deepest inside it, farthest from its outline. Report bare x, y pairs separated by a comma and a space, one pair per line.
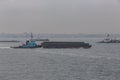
31, 36
108, 37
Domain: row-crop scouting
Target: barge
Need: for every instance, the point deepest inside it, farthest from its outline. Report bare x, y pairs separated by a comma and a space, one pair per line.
65, 45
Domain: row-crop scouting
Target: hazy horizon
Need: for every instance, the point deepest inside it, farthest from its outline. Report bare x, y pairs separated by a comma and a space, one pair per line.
60, 16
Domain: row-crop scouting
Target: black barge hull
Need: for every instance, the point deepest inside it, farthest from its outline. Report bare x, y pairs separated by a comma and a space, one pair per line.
65, 45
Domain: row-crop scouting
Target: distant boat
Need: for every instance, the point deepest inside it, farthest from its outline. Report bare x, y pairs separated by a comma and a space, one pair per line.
109, 40
9, 41
41, 39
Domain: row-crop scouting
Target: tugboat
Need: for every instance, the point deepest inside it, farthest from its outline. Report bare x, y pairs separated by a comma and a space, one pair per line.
29, 44
109, 40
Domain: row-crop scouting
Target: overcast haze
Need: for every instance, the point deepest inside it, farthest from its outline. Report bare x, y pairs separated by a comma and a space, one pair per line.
60, 16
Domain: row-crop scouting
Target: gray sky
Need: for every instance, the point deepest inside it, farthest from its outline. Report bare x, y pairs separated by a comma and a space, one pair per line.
60, 16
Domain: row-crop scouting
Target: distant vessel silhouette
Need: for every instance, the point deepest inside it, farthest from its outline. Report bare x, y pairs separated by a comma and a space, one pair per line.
109, 40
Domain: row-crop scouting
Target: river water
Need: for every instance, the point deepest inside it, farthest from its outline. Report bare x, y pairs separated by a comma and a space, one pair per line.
101, 62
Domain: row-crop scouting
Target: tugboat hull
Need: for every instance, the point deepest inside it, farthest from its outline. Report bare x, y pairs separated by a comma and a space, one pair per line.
25, 47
